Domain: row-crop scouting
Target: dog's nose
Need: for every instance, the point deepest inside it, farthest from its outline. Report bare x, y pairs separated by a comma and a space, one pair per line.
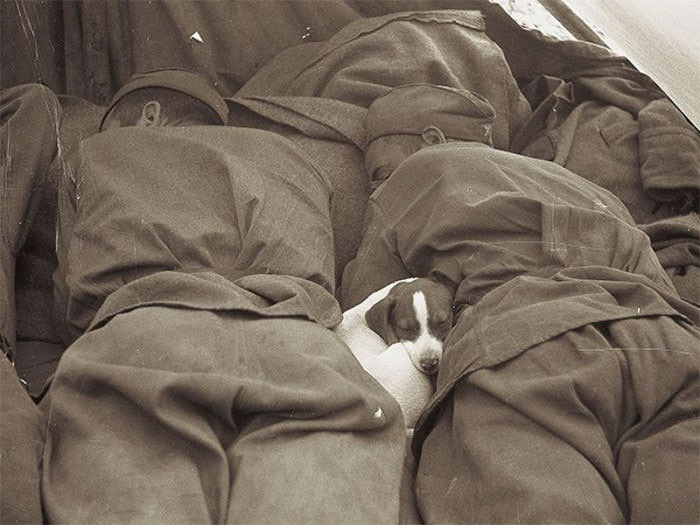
429, 363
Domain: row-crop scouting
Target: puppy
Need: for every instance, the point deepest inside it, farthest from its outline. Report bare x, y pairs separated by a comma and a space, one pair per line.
418, 314
409, 319
415, 312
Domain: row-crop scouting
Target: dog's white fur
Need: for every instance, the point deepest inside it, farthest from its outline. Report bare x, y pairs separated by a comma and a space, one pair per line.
410, 387
391, 365
364, 342
426, 344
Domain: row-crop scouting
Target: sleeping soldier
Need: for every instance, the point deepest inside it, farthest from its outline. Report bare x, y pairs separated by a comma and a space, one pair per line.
568, 388
195, 283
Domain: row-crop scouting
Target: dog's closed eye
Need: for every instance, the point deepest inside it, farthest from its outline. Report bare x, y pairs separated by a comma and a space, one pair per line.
440, 324
417, 313
407, 328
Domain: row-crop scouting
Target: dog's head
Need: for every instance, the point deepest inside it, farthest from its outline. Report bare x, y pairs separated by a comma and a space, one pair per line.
418, 314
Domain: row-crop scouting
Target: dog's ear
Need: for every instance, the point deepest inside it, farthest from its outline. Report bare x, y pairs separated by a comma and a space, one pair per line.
378, 319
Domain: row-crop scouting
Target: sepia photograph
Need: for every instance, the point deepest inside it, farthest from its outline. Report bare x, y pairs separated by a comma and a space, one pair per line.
349, 262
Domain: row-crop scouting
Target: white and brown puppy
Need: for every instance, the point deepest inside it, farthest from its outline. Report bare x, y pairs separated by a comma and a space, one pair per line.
395, 329
415, 312
418, 314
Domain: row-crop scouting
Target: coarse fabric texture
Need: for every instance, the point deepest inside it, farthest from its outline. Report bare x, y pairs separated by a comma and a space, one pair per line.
555, 289
596, 425
368, 57
676, 241
38, 346
29, 120
189, 410
315, 117
619, 134
344, 75
332, 134
21, 448
100, 57
206, 198
200, 263
477, 217
630, 139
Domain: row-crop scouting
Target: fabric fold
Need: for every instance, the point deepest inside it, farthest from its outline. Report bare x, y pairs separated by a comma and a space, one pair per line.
527, 311
259, 295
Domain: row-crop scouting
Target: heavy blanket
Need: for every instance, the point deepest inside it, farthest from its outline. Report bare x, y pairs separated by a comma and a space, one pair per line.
207, 386
193, 400
478, 217
557, 293
627, 137
317, 93
233, 201
370, 56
